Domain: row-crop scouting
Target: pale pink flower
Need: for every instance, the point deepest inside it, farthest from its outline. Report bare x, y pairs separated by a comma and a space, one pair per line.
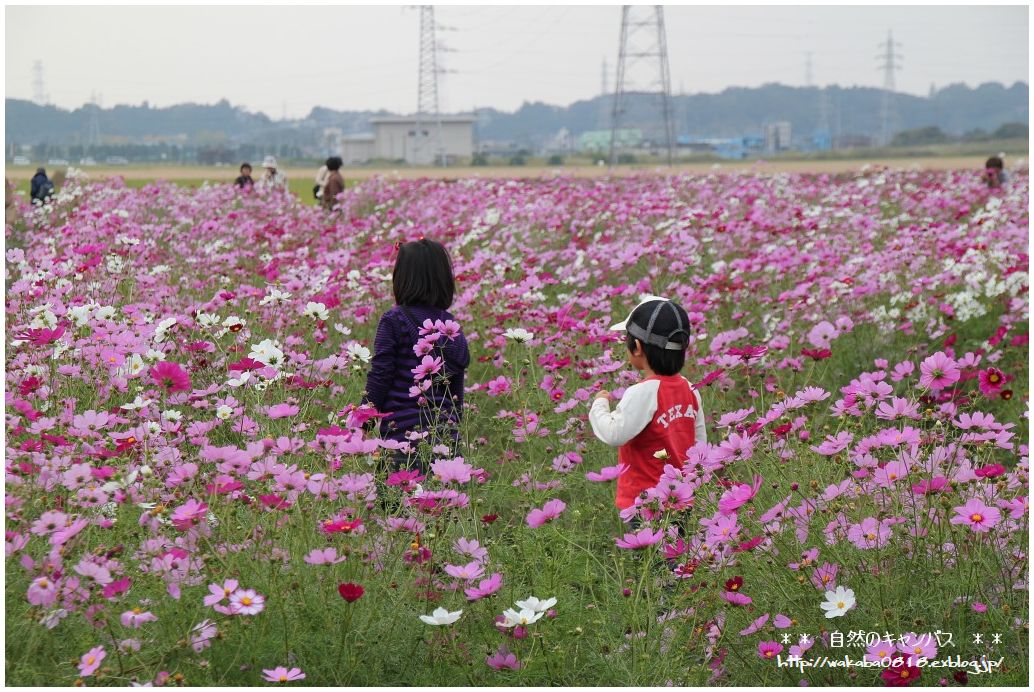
551, 510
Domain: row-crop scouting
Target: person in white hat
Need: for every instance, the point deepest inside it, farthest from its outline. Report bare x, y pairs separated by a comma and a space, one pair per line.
272, 179
659, 418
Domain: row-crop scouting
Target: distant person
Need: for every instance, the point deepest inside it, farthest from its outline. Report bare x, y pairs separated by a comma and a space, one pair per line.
994, 171
42, 187
321, 179
272, 179
244, 180
335, 184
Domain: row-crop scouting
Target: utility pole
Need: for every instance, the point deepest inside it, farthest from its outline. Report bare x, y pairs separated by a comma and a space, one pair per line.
39, 95
890, 62
603, 117
427, 114
93, 134
642, 40
808, 82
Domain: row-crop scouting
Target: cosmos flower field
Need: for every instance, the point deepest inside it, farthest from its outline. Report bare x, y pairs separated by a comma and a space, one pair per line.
192, 497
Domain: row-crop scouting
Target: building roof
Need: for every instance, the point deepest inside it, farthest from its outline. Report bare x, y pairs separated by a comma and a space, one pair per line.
411, 119
362, 137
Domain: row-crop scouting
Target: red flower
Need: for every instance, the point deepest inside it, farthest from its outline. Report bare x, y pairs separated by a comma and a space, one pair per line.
489, 518
171, 376
734, 584
350, 592
989, 471
817, 353
900, 673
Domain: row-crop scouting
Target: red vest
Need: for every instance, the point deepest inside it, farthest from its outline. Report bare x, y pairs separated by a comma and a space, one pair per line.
672, 428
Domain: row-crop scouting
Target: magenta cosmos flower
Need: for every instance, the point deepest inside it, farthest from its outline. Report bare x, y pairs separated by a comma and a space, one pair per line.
486, 587
91, 661
550, 511
187, 514
607, 473
171, 377
976, 515
503, 659
938, 371
769, 649
991, 381
281, 674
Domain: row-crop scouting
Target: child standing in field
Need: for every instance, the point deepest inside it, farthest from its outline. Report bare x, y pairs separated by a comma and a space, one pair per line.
423, 284
660, 417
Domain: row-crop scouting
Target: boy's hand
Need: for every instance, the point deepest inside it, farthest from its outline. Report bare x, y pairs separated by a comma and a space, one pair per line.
604, 394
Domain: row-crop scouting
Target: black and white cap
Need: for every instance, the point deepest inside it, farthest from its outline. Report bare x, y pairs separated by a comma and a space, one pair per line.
659, 322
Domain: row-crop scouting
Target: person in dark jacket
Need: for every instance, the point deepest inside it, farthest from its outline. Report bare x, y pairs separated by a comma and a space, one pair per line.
244, 179
334, 184
42, 187
420, 394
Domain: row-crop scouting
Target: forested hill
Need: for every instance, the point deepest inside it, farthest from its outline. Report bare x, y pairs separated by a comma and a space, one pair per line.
956, 109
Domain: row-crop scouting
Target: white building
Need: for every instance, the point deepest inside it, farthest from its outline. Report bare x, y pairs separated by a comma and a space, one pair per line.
396, 138
777, 136
356, 149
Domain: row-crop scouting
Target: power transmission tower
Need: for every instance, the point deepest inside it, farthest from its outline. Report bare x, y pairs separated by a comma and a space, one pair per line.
427, 114
39, 95
890, 63
643, 41
93, 134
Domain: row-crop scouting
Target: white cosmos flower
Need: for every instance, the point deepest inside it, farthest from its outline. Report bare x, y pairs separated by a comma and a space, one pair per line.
520, 335
267, 353
526, 616
532, 603
206, 319
275, 295
317, 311
342, 329
223, 412
232, 321
838, 602
137, 403
172, 415
357, 352
441, 616
239, 381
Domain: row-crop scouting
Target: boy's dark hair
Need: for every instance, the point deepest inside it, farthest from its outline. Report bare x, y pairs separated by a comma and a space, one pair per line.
245, 165
423, 275
662, 327
334, 163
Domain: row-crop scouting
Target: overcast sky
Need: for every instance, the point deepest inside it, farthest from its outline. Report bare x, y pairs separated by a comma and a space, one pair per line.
278, 60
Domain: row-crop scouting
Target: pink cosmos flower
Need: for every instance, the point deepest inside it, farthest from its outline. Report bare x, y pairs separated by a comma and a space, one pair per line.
323, 556
755, 626
428, 366
452, 470
171, 377
882, 649
918, 646
42, 592
135, 618
282, 411
769, 649
281, 674
202, 634
91, 661
486, 587
189, 513
870, 533
736, 598
247, 602
550, 511
470, 548
976, 515
468, 572
825, 577
832, 444
503, 659
498, 386
938, 371
822, 334
607, 473
738, 495
640, 539
933, 485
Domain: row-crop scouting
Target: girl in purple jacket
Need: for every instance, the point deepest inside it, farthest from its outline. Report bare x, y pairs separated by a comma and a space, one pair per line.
423, 284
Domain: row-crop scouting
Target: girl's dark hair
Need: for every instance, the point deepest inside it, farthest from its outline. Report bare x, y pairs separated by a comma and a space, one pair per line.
995, 162
423, 275
245, 165
334, 163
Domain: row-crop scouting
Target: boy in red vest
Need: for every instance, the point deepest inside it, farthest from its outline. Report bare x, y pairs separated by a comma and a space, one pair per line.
660, 417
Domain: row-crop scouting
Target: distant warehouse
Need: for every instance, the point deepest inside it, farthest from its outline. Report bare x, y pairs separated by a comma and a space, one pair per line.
395, 138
